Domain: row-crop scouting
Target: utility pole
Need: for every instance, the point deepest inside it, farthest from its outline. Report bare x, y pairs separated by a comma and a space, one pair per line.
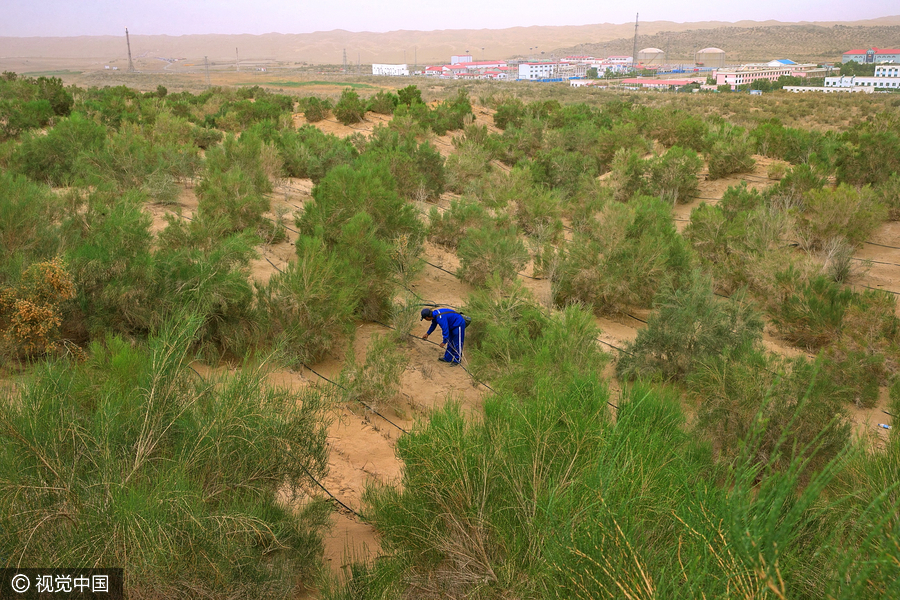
128, 41
206, 62
345, 60
237, 62
634, 50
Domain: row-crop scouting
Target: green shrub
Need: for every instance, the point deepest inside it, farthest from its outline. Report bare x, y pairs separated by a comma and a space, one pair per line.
466, 167
888, 194
316, 109
184, 480
689, 327
376, 382
346, 191
538, 214
111, 259
359, 216
236, 180
673, 176
799, 181
448, 227
308, 309
310, 153
510, 113
350, 108
844, 211
410, 95
383, 103
29, 216
621, 259
809, 313
794, 402
492, 250
52, 158
205, 137
417, 169
627, 175
730, 152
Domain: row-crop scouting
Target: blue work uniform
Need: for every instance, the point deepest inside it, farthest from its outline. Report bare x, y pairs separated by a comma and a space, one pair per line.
453, 326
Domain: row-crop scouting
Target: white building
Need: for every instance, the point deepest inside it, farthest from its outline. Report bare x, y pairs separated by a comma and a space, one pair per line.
537, 70
800, 89
887, 77
391, 70
460, 58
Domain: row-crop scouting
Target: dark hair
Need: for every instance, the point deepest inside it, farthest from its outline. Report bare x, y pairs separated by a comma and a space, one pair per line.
426, 313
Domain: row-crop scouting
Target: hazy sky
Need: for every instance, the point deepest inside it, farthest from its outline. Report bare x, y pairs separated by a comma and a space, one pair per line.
25, 18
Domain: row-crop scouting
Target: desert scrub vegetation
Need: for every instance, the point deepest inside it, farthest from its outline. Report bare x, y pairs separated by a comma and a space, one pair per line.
621, 256
493, 250
844, 211
180, 477
375, 382
688, 327
308, 308
550, 497
358, 215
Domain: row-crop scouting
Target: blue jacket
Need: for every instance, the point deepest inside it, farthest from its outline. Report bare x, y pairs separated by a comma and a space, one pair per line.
448, 319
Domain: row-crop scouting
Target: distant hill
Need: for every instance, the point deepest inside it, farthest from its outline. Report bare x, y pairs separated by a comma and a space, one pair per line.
814, 43
750, 40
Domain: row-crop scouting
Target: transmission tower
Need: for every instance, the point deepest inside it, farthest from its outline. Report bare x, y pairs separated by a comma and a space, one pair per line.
237, 62
128, 41
345, 60
206, 61
634, 50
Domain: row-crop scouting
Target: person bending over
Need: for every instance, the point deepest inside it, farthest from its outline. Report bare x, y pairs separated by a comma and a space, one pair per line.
453, 326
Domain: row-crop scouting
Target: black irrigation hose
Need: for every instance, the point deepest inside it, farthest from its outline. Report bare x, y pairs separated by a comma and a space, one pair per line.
282, 224
332, 496
615, 347
454, 274
437, 267
273, 264
882, 245
888, 413
877, 262
357, 399
880, 290
636, 318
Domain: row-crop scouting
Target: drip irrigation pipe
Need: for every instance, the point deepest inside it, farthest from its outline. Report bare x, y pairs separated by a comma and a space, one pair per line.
282, 224
332, 496
881, 290
273, 264
882, 245
357, 399
454, 274
636, 318
877, 262
615, 347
